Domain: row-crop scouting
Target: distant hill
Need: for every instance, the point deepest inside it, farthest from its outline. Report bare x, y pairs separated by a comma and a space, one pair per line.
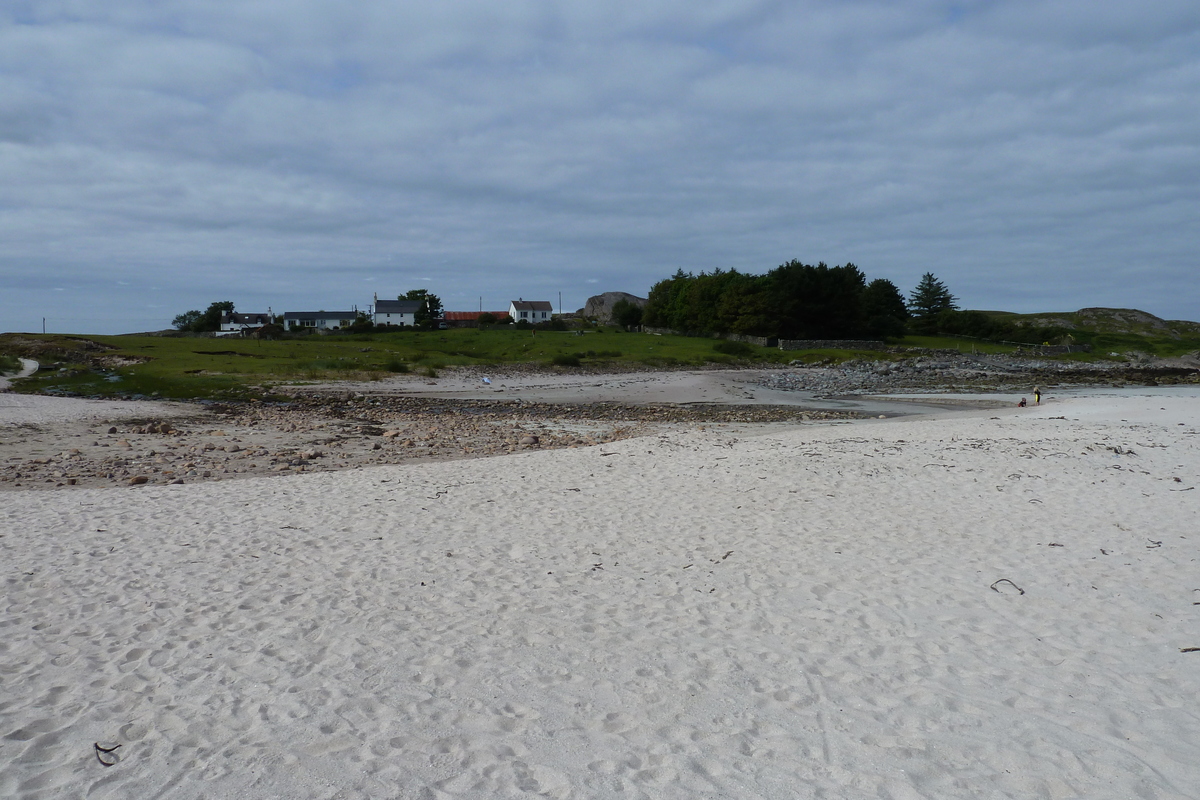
1106, 320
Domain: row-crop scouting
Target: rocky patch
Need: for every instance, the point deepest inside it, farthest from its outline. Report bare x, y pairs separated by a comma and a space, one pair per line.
320, 432
950, 371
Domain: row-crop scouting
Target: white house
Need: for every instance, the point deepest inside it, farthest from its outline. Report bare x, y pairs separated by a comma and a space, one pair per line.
233, 322
319, 320
395, 312
533, 311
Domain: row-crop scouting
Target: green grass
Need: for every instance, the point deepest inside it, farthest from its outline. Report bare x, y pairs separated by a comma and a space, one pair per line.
1163, 346
190, 367
9, 364
1118, 330
1104, 344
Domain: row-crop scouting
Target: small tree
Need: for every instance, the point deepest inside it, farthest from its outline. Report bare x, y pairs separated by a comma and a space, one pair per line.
486, 319
210, 320
430, 312
627, 314
187, 320
362, 323
930, 298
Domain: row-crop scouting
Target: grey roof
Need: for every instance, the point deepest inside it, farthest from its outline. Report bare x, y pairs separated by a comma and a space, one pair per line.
238, 318
320, 314
532, 305
397, 306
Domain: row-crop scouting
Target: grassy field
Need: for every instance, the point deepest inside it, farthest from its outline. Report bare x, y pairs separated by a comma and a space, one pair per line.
192, 367
1105, 344
963, 345
195, 367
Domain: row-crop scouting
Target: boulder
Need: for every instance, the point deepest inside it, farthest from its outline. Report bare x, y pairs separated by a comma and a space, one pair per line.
600, 306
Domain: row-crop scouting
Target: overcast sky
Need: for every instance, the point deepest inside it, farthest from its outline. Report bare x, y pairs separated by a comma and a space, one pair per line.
160, 155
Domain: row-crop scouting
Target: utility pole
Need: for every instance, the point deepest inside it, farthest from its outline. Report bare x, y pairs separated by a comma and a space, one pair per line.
43, 326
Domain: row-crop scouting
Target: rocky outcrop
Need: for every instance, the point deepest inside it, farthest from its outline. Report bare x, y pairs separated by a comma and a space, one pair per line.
327, 432
600, 306
949, 371
1114, 320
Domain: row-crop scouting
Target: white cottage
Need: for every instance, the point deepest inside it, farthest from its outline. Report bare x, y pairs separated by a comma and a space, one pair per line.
533, 311
395, 312
233, 322
319, 320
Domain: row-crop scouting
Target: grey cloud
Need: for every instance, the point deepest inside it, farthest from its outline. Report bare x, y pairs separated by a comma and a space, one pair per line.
282, 150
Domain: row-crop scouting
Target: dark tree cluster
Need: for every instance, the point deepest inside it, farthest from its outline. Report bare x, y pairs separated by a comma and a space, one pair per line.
935, 311
627, 314
201, 321
429, 313
792, 301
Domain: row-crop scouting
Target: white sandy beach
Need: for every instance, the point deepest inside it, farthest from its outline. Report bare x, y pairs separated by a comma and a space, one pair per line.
989, 604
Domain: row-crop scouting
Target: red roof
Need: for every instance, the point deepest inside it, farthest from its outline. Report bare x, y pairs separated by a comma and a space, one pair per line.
470, 316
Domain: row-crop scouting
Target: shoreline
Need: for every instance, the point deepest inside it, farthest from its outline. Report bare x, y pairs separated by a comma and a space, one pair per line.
68, 443
57, 443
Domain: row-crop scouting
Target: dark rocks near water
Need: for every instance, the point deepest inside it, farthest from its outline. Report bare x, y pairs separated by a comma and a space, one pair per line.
962, 372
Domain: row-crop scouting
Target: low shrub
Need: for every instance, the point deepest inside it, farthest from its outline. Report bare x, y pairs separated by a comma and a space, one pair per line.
565, 360
733, 348
340, 364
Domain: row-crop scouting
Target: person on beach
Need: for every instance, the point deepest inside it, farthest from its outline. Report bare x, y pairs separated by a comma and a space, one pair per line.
1037, 396
1022, 404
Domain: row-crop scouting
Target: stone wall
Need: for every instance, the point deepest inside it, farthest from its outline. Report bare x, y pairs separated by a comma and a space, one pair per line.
761, 341
669, 332
1053, 349
830, 344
